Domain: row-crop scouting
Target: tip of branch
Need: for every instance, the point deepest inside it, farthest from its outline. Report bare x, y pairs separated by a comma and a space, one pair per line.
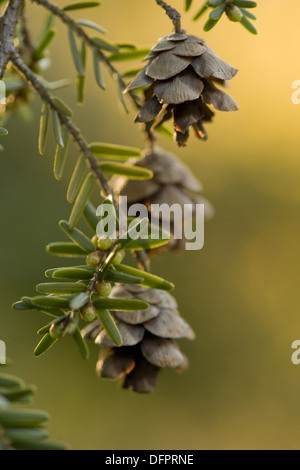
173, 14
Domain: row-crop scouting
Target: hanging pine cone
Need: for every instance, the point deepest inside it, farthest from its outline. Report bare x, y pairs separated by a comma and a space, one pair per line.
180, 77
172, 182
148, 340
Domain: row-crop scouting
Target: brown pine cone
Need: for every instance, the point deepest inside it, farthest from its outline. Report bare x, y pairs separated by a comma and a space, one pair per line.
172, 182
180, 78
149, 339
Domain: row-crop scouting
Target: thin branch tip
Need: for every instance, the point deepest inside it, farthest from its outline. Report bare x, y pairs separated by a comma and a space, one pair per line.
78, 30
173, 14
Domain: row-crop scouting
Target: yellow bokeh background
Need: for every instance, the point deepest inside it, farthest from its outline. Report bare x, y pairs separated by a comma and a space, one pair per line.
241, 292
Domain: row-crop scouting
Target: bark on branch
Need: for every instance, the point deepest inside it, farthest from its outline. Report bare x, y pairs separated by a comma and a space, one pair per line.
31, 77
173, 14
8, 22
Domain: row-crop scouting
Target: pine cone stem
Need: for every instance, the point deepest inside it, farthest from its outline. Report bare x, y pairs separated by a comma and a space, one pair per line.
173, 14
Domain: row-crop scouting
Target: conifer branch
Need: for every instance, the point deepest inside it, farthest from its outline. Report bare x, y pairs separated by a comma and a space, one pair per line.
65, 18
8, 23
65, 121
89, 42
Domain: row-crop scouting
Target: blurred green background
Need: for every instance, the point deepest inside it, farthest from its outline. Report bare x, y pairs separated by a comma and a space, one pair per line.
241, 292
